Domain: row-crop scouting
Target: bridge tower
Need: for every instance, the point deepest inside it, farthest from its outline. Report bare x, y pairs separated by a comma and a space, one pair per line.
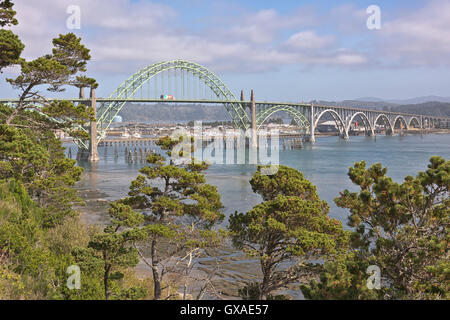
93, 152
90, 154
254, 135
312, 138
82, 154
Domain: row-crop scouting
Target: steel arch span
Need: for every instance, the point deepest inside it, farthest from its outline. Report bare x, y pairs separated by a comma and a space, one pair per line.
296, 115
108, 111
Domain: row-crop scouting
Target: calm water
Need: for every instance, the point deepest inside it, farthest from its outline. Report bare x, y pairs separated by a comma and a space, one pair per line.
325, 164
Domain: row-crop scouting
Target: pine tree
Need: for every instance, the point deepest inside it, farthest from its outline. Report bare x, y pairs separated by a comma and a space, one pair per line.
287, 232
112, 251
180, 209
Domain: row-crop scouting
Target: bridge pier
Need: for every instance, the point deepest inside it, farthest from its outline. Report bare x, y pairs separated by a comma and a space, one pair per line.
312, 127
93, 152
254, 135
90, 154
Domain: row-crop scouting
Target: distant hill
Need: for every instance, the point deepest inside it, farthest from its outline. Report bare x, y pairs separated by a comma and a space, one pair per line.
406, 101
172, 113
433, 108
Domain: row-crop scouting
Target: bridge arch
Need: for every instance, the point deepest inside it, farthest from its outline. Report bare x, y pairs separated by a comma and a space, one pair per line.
411, 121
385, 120
337, 118
367, 125
108, 111
296, 115
402, 119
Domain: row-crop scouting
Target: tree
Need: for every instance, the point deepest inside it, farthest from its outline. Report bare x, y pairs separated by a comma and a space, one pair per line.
287, 232
29, 150
10, 45
180, 211
7, 14
33, 257
112, 250
343, 278
403, 228
55, 70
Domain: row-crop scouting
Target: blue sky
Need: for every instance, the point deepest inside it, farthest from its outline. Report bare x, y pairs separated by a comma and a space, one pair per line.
284, 50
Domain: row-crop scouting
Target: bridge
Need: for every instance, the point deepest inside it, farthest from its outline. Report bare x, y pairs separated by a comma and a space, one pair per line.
191, 83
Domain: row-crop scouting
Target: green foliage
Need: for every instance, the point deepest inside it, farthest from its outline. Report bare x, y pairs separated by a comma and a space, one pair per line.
343, 278
83, 82
10, 45
111, 252
7, 13
33, 258
54, 70
403, 228
288, 231
69, 52
40, 164
10, 48
285, 181
180, 209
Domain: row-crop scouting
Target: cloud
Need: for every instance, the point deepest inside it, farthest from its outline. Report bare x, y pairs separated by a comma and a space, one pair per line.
418, 38
308, 40
126, 35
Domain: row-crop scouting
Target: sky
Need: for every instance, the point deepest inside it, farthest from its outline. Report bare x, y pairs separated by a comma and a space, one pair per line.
284, 50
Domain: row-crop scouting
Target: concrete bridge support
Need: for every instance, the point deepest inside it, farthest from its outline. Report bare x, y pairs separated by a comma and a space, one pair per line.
90, 154
253, 118
93, 152
82, 154
312, 127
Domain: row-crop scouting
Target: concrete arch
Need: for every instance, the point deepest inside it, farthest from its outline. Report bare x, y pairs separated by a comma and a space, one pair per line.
337, 118
401, 118
368, 126
386, 121
411, 120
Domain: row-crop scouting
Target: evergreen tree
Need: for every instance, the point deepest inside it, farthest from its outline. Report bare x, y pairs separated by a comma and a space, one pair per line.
403, 228
287, 233
180, 210
109, 253
10, 45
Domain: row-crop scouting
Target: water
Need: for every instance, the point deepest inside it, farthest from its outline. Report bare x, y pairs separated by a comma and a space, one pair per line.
325, 164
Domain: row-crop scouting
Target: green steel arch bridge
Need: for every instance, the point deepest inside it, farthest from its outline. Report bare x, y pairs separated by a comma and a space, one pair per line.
188, 82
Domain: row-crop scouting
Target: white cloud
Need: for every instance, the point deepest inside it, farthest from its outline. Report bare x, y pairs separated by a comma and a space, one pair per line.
124, 36
309, 40
419, 38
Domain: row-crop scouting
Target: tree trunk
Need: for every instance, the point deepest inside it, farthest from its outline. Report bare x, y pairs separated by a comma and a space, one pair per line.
265, 283
105, 281
156, 279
